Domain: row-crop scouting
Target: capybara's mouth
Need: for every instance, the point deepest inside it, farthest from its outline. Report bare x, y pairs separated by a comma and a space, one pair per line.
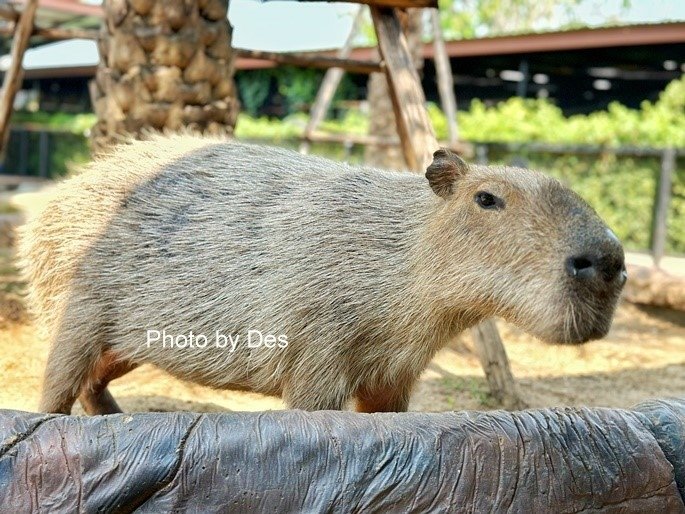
579, 333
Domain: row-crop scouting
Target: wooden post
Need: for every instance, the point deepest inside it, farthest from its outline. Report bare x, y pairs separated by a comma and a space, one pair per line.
443, 71
329, 85
15, 73
418, 144
413, 125
663, 198
495, 362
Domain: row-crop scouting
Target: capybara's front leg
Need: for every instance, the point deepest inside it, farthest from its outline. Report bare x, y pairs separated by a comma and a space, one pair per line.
384, 399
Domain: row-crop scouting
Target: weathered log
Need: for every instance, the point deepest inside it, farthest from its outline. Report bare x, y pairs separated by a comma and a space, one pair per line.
551, 460
653, 286
53, 33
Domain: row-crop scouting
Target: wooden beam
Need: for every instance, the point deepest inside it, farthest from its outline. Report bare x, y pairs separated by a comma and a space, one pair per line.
312, 61
443, 71
460, 147
330, 83
14, 74
401, 4
409, 103
54, 33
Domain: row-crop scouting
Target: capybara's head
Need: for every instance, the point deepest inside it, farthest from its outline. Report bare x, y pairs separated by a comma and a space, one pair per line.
518, 244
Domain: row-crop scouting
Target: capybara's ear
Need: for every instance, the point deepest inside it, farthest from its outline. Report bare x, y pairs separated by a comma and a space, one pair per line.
445, 169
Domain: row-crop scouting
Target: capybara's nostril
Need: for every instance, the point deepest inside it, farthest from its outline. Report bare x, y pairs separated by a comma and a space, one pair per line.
624, 275
611, 266
581, 267
588, 267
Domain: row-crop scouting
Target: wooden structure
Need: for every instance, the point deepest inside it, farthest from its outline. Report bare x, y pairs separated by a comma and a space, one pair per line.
14, 75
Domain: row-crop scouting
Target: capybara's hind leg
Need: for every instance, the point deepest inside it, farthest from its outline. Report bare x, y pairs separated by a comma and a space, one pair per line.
95, 398
74, 352
67, 368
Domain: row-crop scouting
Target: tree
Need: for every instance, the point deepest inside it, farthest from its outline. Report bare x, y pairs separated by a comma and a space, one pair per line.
466, 19
165, 64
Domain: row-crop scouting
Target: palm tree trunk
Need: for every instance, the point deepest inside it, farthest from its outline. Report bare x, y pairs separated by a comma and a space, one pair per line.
164, 65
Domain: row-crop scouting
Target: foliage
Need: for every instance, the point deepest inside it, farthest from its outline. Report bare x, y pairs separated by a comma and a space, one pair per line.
297, 87
292, 126
661, 123
64, 122
467, 19
253, 89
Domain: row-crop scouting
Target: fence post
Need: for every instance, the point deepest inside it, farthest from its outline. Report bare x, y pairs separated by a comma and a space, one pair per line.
23, 166
482, 154
43, 153
663, 198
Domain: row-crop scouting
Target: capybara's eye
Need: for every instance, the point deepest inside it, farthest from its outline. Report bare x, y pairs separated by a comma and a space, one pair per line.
488, 200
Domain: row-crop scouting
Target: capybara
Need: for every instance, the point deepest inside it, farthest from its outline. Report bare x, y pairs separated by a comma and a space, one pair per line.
256, 268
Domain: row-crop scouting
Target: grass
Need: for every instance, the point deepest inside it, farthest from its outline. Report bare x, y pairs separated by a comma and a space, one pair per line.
7, 208
477, 388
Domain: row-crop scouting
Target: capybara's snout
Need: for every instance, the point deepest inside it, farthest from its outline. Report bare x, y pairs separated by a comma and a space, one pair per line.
601, 263
596, 274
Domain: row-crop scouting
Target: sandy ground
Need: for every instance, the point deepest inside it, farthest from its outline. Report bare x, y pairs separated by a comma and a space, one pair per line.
643, 357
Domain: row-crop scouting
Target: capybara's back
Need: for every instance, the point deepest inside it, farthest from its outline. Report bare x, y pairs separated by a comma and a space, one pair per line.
52, 244
237, 266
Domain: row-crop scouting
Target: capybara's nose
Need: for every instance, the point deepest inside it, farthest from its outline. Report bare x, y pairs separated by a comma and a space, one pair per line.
590, 266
